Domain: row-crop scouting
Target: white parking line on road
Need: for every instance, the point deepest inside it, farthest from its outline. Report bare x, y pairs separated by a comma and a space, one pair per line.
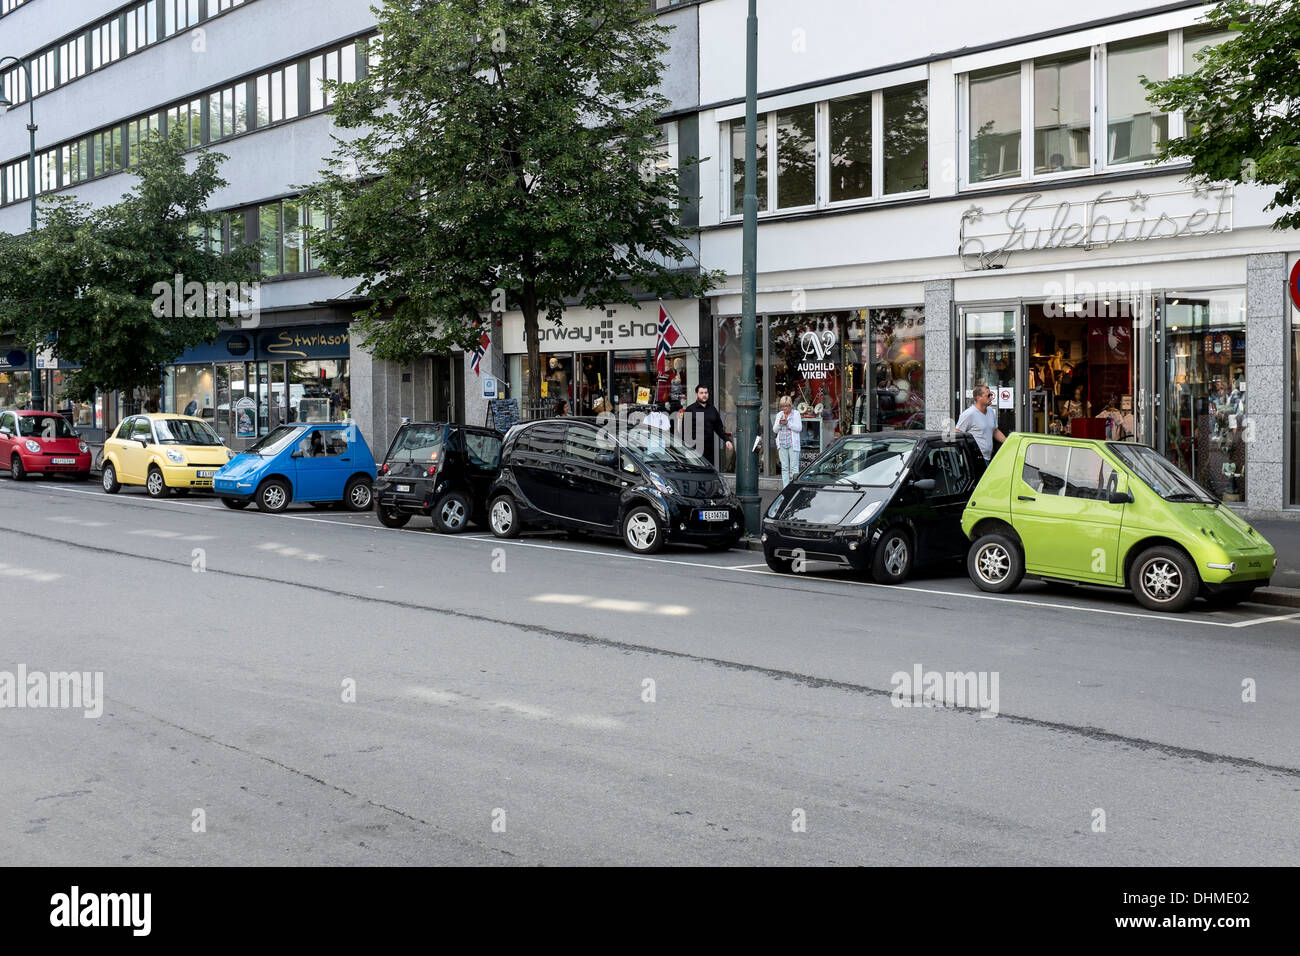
176, 535
447, 698
65, 519
750, 569
288, 551
28, 574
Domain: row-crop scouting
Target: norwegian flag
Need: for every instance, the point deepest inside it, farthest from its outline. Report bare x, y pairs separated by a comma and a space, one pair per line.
484, 343
669, 335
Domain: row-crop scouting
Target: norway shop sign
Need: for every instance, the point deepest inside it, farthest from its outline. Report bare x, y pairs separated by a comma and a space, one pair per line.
1032, 223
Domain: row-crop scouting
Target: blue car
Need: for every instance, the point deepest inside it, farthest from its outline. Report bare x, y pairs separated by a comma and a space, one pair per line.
320, 464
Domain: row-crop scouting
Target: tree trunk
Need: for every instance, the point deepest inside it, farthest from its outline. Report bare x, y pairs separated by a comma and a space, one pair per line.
528, 305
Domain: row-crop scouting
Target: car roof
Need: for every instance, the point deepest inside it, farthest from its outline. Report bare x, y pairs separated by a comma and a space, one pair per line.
164, 417
916, 433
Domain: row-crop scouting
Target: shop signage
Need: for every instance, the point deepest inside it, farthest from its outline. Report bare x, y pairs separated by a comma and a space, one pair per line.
329, 341
15, 359
1006, 397
819, 349
578, 332
489, 386
246, 418
1293, 284
1034, 222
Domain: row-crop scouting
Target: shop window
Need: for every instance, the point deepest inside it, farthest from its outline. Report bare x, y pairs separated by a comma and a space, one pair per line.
796, 157
850, 147
15, 388
636, 380
888, 388
994, 104
805, 365
738, 165
1204, 400
907, 143
1135, 129
1063, 113
320, 390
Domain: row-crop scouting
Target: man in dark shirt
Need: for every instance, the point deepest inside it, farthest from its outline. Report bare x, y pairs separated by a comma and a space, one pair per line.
706, 422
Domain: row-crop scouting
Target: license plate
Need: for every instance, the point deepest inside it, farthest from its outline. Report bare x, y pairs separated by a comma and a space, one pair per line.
63, 461
204, 474
403, 487
714, 515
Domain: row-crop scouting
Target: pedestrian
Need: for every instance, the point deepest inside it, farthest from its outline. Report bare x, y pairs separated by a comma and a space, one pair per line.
787, 425
981, 421
707, 422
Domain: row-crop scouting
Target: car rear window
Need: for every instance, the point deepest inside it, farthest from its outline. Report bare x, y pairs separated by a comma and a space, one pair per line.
417, 443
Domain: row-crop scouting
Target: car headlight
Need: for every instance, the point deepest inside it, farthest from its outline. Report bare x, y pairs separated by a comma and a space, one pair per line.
662, 483
82, 447
866, 513
32, 446
775, 506
175, 457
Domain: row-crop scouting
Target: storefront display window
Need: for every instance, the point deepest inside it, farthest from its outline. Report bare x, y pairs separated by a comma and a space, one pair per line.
807, 366
320, 390
635, 378
1204, 397
990, 359
189, 391
889, 389
15, 388
1081, 368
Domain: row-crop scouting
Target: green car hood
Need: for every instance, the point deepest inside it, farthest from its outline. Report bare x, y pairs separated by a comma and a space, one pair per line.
1228, 529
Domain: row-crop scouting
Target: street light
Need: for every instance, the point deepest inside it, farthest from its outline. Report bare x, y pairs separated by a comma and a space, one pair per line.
748, 401
38, 399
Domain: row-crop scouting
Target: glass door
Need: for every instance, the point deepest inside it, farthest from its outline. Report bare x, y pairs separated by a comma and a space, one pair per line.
990, 357
592, 383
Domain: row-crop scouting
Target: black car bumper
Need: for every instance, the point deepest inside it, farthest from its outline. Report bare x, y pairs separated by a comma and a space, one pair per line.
847, 547
418, 500
685, 521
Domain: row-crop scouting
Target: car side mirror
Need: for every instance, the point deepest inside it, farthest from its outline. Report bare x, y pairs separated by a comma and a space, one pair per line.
296, 454
1119, 498
924, 484
144, 442
607, 460
6, 432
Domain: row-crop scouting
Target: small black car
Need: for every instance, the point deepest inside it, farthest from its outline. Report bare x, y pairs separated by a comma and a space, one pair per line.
883, 501
642, 485
438, 469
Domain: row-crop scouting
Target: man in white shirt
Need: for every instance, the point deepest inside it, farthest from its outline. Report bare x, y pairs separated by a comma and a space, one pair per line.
981, 421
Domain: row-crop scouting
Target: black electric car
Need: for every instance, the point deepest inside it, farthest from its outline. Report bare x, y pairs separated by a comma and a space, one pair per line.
882, 502
440, 470
641, 484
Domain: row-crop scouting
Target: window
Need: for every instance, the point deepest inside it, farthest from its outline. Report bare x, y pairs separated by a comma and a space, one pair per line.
338, 66
796, 157
283, 237
277, 95
227, 112
1063, 113
140, 430
72, 59
907, 141
1046, 467
547, 439
995, 124
583, 444
738, 165
1135, 129
850, 147
1198, 39
187, 117
137, 131
1088, 475
483, 451
949, 467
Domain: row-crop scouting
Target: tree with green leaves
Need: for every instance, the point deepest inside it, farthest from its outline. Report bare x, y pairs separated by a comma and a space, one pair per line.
498, 157
122, 290
1242, 103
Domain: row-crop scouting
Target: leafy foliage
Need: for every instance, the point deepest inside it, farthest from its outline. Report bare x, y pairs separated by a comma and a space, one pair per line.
1242, 103
496, 159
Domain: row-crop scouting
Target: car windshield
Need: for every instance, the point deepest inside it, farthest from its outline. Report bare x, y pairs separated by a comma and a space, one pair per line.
275, 442
874, 462
417, 443
1159, 474
45, 426
658, 446
184, 431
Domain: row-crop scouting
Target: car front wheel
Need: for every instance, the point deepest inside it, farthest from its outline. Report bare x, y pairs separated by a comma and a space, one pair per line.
892, 562
995, 563
779, 565
108, 478
16, 468
642, 531
272, 496
1164, 579
155, 484
503, 517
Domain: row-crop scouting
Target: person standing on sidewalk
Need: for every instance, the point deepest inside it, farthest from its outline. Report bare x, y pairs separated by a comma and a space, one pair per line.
787, 425
981, 421
707, 422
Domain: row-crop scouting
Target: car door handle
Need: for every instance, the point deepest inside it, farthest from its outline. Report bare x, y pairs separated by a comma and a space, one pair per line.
1026, 498
345, 459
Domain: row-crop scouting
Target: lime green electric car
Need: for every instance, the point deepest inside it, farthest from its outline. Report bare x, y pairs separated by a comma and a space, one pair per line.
1108, 513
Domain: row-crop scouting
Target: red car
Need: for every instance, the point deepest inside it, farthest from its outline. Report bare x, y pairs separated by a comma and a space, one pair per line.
35, 443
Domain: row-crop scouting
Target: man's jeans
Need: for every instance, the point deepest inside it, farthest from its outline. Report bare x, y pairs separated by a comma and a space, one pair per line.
789, 464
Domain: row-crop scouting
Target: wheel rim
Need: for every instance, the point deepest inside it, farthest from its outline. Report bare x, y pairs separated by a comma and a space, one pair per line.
502, 516
642, 530
361, 496
156, 485
452, 513
108, 477
895, 556
16, 466
1161, 579
273, 496
993, 563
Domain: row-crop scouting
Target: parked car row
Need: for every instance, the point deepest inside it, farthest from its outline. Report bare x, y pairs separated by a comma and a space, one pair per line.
1063, 510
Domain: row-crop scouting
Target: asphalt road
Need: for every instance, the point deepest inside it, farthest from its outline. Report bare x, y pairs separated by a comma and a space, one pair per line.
501, 710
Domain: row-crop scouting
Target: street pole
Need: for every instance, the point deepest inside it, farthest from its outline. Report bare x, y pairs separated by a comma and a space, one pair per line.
38, 397
748, 401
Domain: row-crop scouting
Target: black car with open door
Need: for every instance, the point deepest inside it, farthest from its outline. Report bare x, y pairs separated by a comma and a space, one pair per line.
640, 484
882, 502
440, 470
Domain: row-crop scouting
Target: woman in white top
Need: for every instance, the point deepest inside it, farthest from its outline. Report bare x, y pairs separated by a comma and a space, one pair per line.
787, 425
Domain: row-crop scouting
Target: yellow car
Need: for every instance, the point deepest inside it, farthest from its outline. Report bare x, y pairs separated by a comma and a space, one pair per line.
164, 453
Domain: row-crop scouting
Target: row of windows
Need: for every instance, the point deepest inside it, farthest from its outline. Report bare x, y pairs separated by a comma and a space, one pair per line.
9, 6
277, 95
140, 25
280, 228
873, 144
1088, 109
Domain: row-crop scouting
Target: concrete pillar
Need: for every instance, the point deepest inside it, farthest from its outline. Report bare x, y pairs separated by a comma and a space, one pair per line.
376, 396
1266, 352
940, 366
